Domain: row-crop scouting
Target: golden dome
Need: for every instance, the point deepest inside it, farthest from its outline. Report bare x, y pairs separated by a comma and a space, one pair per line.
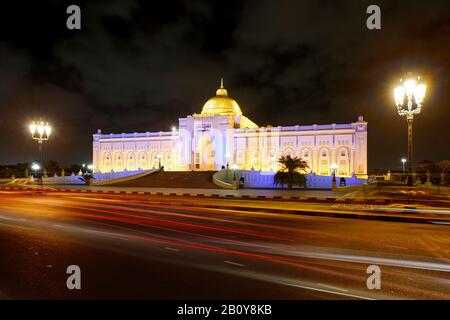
222, 104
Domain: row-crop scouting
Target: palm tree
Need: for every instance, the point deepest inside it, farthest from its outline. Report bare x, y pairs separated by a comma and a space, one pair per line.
292, 172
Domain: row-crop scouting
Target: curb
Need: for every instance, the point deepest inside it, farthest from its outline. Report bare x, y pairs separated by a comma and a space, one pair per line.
179, 194
312, 199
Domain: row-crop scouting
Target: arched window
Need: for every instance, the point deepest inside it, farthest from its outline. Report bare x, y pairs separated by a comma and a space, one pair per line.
131, 162
272, 161
324, 162
255, 158
155, 160
106, 163
143, 164
240, 157
289, 152
343, 162
305, 155
118, 162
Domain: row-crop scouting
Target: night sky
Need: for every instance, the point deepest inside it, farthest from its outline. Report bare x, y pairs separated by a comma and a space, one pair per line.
140, 65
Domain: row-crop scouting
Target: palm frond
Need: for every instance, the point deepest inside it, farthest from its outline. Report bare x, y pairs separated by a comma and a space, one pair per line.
291, 172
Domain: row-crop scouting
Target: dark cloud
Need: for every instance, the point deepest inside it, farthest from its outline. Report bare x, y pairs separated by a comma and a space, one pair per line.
138, 66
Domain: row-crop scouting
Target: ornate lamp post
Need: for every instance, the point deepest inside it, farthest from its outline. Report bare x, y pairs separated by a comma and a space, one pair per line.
40, 132
333, 168
409, 97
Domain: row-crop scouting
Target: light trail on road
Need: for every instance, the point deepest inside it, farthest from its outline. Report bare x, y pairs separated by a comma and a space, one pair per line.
280, 250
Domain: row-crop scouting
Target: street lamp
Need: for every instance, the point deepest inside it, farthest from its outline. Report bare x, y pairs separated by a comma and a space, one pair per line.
403, 164
91, 168
40, 132
35, 167
409, 97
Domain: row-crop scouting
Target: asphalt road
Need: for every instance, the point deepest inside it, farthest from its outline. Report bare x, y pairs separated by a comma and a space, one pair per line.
149, 247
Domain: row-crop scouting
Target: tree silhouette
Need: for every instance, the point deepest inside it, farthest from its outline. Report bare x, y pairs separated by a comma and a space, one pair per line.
291, 173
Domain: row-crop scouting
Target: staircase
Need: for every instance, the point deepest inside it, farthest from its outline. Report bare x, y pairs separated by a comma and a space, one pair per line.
173, 179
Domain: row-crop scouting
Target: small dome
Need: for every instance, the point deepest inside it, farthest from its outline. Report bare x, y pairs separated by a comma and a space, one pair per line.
222, 104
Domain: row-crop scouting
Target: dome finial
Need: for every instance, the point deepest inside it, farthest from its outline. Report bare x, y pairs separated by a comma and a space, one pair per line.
221, 91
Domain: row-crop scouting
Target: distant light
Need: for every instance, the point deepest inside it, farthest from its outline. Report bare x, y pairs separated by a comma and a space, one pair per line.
404, 160
334, 166
35, 167
235, 166
174, 128
91, 167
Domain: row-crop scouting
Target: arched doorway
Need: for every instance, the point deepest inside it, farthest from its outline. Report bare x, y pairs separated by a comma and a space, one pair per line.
204, 154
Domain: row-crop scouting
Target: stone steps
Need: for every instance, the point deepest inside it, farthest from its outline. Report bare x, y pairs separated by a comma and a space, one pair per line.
173, 179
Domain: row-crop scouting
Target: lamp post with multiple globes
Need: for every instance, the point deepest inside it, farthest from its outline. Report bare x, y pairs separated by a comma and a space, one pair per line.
409, 96
40, 132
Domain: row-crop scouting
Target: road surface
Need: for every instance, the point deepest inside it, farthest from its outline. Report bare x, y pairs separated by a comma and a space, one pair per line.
150, 247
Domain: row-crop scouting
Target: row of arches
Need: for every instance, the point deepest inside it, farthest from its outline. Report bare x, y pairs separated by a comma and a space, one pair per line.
321, 165
131, 161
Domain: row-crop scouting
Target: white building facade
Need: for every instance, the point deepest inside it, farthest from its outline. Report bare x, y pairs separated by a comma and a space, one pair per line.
221, 135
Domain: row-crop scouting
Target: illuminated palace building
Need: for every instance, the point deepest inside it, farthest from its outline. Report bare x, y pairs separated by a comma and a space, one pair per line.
222, 136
